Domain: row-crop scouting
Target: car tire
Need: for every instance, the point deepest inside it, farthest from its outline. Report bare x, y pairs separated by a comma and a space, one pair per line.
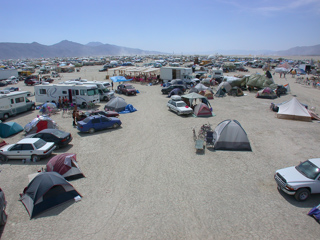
91, 130
116, 125
3, 158
126, 93
5, 116
302, 194
35, 158
105, 99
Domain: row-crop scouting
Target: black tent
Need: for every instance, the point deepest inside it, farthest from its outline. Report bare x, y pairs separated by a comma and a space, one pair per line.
46, 190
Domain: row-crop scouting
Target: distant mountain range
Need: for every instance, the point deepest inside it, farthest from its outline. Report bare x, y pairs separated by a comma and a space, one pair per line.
72, 49
66, 49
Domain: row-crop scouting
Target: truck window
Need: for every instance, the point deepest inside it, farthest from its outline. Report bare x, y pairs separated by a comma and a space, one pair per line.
83, 92
19, 100
43, 91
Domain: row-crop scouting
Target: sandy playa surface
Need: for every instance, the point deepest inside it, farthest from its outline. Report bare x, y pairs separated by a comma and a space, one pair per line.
145, 181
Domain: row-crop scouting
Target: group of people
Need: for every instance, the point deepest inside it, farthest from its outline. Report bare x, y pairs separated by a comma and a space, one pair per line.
63, 102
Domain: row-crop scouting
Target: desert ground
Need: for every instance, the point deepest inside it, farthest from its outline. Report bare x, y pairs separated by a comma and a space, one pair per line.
146, 181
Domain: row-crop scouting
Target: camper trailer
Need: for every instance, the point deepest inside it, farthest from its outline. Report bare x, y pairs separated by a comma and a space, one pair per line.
76, 94
170, 73
15, 102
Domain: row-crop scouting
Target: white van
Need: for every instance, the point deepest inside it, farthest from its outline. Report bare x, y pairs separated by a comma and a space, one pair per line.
15, 102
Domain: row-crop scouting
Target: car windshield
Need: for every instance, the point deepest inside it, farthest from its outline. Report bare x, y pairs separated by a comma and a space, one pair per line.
39, 144
181, 104
308, 169
129, 86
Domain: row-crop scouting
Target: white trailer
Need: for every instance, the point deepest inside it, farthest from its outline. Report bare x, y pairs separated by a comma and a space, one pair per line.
170, 73
13, 103
76, 94
6, 73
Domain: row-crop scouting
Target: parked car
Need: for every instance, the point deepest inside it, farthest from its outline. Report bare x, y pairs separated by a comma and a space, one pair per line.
97, 122
49, 80
12, 80
167, 90
11, 89
126, 89
103, 113
3, 83
27, 148
301, 180
60, 138
178, 106
243, 69
31, 82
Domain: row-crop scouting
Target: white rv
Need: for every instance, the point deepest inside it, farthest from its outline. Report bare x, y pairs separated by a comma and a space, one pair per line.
104, 92
76, 94
15, 102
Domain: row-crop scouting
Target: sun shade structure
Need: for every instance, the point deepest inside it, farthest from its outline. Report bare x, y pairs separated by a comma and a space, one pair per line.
293, 110
229, 135
45, 191
66, 165
8, 129
119, 79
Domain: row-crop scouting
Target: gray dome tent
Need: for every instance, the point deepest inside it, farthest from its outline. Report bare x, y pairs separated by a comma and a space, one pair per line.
229, 135
117, 104
45, 191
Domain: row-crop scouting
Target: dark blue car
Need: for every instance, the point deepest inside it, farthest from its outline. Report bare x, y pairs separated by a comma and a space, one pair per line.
97, 122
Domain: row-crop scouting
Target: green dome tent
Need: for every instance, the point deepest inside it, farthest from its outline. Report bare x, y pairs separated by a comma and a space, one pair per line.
260, 81
8, 129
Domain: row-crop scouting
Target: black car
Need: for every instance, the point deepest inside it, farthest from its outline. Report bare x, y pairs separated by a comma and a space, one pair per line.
60, 138
167, 90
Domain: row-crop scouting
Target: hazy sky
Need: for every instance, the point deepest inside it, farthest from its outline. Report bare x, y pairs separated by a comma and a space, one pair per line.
178, 26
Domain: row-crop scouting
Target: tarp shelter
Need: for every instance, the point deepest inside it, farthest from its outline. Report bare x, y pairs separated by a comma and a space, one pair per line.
40, 123
45, 191
192, 96
260, 81
202, 110
200, 87
293, 110
116, 104
129, 109
119, 79
8, 129
229, 135
266, 93
193, 90
224, 85
66, 165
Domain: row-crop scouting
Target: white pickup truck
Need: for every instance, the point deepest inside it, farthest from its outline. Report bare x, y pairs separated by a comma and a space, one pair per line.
301, 180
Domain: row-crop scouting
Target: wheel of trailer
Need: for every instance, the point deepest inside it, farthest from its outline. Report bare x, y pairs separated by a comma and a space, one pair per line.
116, 125
84, 104
302, 194
3, 158
35, 158
91, 130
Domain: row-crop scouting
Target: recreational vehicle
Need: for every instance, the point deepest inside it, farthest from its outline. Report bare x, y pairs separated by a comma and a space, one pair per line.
104, 92
76, 94
15, 102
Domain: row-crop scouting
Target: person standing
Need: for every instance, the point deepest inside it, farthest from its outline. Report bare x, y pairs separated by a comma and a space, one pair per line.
59, 102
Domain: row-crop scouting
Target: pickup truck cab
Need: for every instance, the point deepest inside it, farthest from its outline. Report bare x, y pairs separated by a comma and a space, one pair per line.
301, 180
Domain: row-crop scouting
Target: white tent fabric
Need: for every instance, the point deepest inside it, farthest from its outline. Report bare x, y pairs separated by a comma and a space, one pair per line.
201, 87
294, 110
226, 86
